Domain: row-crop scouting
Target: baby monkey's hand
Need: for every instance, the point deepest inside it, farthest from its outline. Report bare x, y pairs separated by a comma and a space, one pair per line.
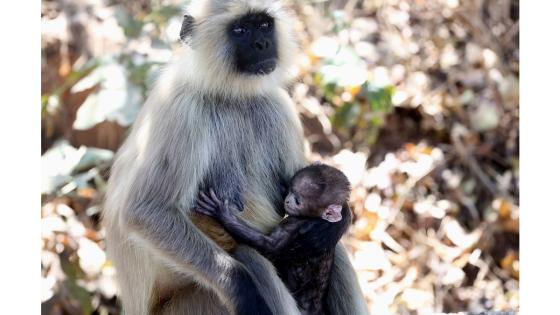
212, 206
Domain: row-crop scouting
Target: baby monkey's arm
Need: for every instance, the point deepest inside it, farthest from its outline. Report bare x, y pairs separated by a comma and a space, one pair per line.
212, 206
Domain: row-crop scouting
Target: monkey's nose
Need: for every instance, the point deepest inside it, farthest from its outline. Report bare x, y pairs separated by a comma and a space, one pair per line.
262, 44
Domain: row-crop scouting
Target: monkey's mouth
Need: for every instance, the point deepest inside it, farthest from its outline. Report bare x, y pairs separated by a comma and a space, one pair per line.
289, 210
263, 67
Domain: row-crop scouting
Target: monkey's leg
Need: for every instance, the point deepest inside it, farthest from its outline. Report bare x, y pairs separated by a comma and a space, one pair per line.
190, 299
181, 245
269, 284
193, 299
344, 295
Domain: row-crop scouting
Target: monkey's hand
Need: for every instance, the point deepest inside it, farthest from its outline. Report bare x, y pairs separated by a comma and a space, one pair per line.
212, 206
204, 208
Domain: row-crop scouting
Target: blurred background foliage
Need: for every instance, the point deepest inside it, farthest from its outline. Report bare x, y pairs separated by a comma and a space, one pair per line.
416, 101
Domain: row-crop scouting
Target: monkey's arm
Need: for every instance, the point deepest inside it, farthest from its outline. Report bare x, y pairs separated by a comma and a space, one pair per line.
273, 243
154, 217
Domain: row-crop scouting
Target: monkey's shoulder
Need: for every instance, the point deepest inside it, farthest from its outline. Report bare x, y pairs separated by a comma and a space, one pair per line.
315, 237
322, 231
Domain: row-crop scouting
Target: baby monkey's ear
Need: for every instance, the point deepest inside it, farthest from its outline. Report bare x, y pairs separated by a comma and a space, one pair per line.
332, 213
187, 28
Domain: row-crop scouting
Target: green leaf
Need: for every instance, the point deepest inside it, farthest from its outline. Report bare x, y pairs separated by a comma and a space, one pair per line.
132, 28
166, 12
80, 294
380, 99
347, 115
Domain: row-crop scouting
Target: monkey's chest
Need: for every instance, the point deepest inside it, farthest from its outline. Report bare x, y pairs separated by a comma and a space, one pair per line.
307, 280
248, 149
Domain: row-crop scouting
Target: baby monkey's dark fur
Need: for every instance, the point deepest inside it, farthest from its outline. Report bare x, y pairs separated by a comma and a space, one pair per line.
302, 245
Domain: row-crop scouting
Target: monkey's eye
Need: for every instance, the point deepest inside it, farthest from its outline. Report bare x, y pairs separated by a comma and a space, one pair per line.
265, 25
239, 30
296, 200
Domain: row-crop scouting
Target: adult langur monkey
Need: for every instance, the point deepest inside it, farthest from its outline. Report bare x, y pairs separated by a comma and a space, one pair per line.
217, 117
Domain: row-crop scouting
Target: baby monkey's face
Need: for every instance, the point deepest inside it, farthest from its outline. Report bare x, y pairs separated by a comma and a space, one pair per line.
297, 205
317, 191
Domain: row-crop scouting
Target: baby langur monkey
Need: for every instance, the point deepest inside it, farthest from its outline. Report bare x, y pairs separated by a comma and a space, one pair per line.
302, 245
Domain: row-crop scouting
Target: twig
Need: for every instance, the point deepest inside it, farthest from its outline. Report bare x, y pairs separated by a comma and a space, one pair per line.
472, 18
456, 133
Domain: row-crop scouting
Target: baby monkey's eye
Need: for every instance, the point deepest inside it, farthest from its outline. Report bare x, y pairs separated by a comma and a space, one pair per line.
296, 200
265, 25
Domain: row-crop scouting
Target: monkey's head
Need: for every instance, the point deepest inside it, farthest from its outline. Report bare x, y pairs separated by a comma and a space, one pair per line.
239, 45
318, 191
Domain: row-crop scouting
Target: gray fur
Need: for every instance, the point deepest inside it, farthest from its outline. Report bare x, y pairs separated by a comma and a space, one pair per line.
203, 126
344, 295
260, 272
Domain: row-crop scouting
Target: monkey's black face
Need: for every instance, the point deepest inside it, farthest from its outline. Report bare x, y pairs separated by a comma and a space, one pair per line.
253, 38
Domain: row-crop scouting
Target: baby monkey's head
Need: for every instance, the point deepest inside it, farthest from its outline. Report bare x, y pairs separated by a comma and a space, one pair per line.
318, 191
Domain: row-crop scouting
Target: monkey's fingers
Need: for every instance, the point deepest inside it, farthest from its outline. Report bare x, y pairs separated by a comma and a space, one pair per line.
206, 206
215, 198
205, 209
203, 196
227, 206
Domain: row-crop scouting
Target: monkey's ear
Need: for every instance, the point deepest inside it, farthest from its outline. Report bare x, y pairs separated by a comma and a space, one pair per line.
187, 28
333, 213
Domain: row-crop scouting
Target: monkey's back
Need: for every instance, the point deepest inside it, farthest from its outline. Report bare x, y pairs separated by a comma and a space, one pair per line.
307, 280
305, 264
